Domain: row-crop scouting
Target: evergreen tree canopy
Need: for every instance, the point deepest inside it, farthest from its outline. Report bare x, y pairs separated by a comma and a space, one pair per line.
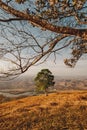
44, 80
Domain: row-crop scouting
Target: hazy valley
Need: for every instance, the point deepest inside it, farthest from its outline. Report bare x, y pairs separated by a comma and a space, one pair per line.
63, 109
23, 87
25, 84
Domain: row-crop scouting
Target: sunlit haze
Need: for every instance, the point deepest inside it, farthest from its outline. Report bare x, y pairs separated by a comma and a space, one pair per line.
60, 69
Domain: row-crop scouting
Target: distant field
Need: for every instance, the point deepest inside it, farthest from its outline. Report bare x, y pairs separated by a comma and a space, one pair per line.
4, 99
57, 111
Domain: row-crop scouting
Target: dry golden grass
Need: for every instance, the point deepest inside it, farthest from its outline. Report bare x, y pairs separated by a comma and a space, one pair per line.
57, 111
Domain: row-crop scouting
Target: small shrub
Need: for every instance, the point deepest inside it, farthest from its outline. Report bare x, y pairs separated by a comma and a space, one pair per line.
53, 104
83, 97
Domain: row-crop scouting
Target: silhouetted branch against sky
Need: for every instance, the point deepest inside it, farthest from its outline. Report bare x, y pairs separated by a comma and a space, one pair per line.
33, 30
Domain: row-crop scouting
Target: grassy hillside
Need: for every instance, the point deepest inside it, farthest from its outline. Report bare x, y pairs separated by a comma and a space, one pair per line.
57, 111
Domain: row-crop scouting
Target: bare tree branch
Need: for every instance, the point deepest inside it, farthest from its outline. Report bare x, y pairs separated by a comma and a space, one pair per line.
31, 33
10, 19
37, 21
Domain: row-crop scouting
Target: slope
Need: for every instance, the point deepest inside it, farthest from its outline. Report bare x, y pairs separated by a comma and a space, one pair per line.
57, 111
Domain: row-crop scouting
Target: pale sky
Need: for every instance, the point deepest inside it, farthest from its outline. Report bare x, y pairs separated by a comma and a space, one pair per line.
60, 69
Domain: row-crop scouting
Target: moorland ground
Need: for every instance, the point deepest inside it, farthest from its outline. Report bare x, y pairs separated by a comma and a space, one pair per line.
57, 111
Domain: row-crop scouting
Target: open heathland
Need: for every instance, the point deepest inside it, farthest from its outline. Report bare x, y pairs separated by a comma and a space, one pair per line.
57, 111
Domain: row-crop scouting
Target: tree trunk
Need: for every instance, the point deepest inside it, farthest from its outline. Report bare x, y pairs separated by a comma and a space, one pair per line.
46, 92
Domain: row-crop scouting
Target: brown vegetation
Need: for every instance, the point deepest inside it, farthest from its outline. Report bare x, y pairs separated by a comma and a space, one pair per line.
57, 111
